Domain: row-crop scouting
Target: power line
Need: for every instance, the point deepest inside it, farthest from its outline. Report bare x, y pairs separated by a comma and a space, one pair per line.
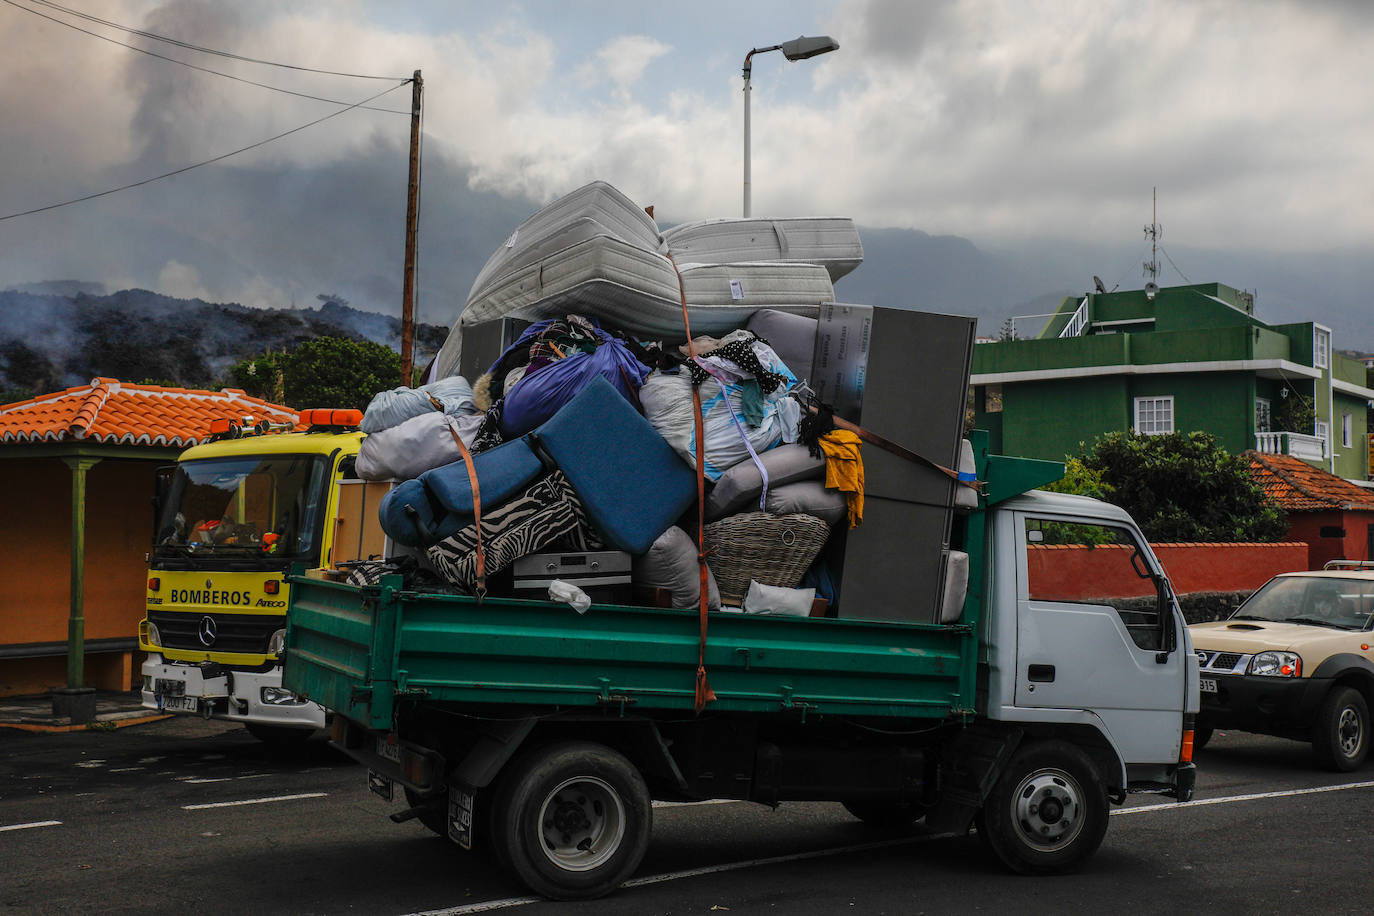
192, 66
207, 161
190, 47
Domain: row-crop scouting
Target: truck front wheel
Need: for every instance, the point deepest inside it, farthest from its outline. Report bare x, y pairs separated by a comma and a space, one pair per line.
1048, 811
572, 820
1340, 740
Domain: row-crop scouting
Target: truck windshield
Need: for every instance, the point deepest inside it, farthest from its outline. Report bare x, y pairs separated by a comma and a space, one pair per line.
1328, 601
249, 506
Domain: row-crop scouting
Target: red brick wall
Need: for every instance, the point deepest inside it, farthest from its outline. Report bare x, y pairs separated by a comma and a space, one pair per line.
1080, 572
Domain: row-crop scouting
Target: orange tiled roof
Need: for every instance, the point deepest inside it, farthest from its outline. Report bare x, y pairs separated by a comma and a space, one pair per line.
112, 412
1299, 487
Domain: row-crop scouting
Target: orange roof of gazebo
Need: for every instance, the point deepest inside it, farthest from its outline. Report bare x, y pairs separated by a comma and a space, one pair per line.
112, 412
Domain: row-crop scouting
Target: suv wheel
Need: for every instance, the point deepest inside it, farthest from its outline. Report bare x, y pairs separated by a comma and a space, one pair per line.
1340, 738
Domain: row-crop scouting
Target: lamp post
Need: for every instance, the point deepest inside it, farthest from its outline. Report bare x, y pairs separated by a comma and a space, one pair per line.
796, 49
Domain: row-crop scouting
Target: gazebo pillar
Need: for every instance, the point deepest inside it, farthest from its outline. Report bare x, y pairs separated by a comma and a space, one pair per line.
77, 700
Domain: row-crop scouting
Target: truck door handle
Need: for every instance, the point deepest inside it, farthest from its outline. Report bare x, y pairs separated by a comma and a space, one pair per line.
1042, 674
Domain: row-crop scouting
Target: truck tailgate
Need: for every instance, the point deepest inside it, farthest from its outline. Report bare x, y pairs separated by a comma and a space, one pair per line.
355, 650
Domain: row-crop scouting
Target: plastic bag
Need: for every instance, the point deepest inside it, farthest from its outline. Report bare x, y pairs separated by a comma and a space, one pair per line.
539, 394
394, 407
568, 593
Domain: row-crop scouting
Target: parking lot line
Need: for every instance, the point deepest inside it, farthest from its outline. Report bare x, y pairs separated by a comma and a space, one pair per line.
1228, 799
253, 801
34, 824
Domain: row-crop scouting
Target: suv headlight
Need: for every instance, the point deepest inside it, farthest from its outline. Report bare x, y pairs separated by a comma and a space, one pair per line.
1276, 664
277, 643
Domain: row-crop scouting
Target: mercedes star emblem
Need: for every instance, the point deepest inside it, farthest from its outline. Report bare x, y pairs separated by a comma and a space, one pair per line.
207, 631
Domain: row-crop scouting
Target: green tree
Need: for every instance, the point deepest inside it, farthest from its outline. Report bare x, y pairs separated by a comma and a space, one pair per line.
337, 372
1184, 487
262, 376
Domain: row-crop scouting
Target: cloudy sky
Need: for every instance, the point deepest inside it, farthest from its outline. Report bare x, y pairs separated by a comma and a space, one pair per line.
1002, 121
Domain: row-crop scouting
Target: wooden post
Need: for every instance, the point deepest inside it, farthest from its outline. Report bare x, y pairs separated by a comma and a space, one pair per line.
76, 621
412, 228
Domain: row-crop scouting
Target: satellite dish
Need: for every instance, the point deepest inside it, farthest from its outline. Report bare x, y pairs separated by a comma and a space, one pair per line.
1098, 284
1150, 290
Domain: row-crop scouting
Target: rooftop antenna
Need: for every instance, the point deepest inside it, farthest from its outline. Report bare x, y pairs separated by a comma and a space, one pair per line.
1153, 233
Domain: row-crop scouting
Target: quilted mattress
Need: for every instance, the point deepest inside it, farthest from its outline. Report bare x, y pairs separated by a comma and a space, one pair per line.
832, 242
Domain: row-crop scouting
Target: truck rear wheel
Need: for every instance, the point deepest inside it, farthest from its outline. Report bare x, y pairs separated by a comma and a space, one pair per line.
1048, 811
572, 820
1340, 739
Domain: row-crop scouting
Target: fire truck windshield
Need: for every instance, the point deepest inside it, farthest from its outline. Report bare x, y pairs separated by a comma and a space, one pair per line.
256, 505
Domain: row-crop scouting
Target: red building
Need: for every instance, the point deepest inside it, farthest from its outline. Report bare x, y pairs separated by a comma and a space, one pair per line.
1332, 515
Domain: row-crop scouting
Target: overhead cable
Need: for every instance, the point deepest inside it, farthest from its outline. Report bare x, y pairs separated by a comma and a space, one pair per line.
207, 161
192, 66
190, 47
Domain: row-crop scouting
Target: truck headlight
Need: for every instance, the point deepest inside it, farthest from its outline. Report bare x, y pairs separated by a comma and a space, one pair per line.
277, 644
148, 633
279, 696
1276, 664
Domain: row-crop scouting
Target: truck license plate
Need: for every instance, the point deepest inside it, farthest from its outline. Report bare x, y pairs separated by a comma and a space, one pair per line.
388, 751
1208, 684
179, 704
460, 817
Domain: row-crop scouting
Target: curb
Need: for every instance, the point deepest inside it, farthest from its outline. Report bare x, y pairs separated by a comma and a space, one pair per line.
117, 720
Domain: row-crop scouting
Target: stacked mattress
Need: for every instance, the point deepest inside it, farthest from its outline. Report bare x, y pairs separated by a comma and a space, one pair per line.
596, 252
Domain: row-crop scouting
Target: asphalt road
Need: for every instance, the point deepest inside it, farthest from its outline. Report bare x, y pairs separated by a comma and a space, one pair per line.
185, 816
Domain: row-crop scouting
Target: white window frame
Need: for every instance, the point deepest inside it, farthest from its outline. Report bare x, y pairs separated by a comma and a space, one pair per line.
1322, 429
1264, 415
1321, 348
1347, 437
1148, 413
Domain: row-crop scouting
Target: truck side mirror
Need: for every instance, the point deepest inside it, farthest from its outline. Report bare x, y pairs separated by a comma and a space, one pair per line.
162, 481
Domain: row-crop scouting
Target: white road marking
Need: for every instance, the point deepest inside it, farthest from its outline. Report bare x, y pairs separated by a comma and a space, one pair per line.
128, 770
1227, 799
254, 801
709, 801
34, 824
508, 902
194, 781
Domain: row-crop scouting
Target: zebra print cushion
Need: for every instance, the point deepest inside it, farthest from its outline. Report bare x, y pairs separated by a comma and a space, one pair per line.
548, 512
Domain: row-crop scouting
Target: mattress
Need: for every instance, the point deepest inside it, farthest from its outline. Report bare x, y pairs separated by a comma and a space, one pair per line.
594, 251
832, 242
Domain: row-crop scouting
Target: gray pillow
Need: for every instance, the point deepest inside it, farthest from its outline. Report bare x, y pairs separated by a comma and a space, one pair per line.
792, 337
810, 497
671, 563
740, 486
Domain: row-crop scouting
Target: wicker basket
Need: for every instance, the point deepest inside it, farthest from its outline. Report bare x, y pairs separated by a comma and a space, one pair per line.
770, 549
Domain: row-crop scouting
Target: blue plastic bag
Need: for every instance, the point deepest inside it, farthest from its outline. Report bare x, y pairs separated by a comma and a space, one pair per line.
539, 395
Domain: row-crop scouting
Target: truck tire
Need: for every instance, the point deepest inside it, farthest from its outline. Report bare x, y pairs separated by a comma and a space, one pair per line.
572, 820
886, 815
1340, 739
1047, 812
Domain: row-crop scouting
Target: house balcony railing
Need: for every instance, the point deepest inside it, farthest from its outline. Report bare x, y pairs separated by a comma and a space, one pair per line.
1308, 448
1078, 323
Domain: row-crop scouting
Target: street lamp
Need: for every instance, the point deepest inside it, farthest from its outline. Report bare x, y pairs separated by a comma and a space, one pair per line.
796, 49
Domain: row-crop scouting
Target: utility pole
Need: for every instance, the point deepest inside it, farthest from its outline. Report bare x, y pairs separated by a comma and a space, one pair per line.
412, 228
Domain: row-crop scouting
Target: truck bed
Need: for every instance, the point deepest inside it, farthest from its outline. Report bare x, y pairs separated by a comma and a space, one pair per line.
361, 650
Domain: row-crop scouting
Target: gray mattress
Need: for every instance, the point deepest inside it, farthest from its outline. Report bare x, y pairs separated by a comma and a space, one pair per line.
832, 242
595, 252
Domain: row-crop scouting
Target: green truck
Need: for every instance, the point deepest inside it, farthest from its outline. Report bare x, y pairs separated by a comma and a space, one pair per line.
543, 736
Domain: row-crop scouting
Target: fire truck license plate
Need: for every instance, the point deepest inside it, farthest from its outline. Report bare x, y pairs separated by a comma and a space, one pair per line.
179, 704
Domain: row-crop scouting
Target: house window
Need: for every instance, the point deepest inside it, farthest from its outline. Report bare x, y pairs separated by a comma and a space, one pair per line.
1321, 348
1323, 431
1263, 415
1345, 430
1154, 416
992, 398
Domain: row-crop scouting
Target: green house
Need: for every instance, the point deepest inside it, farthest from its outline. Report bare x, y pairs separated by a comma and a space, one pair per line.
1175, 359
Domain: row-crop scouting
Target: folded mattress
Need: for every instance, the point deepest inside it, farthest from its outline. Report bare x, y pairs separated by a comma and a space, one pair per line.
832, 242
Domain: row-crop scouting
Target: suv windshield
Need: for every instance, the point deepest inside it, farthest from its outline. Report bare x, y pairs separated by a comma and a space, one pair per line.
253, 506
1343, 604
